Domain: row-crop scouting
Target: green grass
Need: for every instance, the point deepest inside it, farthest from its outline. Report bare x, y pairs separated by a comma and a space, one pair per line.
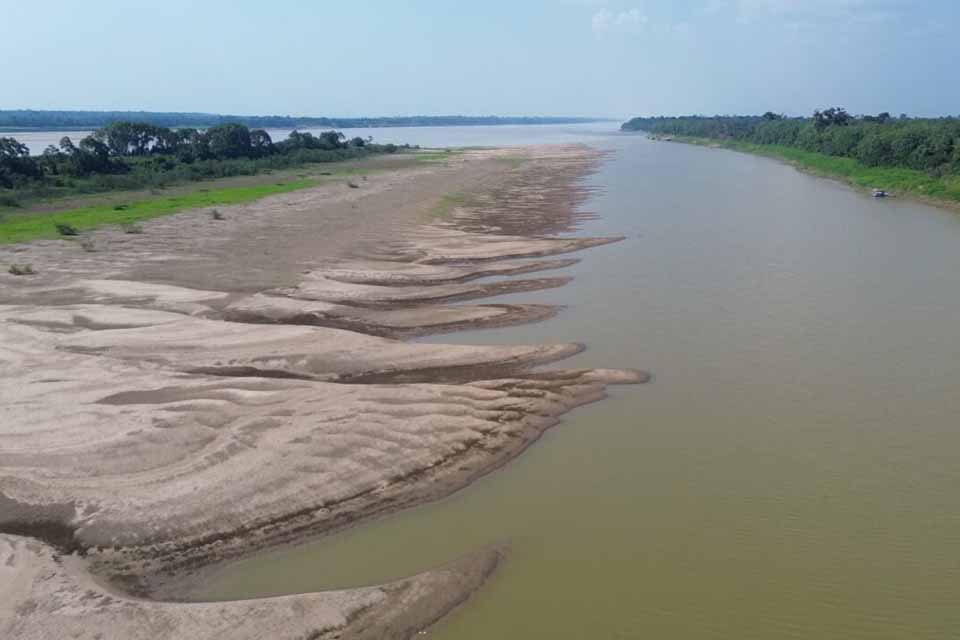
513, 162
895, 180
434, 156
448, 203
37, 218
23, 227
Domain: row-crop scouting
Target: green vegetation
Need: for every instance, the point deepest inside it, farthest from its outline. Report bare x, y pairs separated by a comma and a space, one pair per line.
21, 269
448, 203
130, 155
65, 229
30, 119
916, 156
513, 162
73, 213
436, 156
892, 179
20, 227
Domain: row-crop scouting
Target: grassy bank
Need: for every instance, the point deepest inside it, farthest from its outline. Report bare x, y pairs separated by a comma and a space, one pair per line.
129, 207
919, 184
24, 227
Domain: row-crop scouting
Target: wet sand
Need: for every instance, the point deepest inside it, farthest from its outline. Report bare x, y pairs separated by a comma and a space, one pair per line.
211, 388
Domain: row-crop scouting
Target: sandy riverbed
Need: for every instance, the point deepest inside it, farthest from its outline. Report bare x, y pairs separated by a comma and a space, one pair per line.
211, 388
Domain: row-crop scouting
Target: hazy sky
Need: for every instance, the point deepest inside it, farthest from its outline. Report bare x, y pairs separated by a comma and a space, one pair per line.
507, 57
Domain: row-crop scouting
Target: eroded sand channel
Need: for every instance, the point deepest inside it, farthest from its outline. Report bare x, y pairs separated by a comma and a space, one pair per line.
215, 387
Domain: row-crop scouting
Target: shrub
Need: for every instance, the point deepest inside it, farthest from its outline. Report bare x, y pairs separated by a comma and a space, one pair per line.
9, 201
131, 227
21, 269
65, 229
88, 245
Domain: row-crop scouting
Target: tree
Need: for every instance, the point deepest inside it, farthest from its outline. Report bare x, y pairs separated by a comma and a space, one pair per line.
192, 145
16, 165
880, 118
66, 146
91, 156
260, 142
11, 148
770, 115
53, 160
332, 139
834, 116
229, 140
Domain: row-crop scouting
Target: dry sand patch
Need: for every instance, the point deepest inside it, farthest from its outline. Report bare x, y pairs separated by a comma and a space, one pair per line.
204, 390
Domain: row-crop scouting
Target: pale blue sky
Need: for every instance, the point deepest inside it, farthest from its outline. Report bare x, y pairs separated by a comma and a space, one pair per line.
516, 57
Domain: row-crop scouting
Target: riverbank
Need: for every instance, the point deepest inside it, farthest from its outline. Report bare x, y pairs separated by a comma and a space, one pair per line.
38, 219
918, 185
212, 387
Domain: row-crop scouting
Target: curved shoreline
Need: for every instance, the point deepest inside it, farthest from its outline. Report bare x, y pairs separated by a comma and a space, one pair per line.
771, 151
255, 435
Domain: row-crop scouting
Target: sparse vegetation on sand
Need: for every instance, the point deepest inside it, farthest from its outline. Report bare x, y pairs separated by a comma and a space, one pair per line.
128, 208
30, 226
65, 229
21, 269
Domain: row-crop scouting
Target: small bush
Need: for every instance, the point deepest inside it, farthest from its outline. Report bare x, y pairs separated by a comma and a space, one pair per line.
9, 201
21, 269
65, 229
88, 245
121, 207
217, 215
131, 227
353, 185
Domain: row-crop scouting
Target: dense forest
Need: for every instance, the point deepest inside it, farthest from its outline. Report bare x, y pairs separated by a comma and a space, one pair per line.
125, 154
931, 145
29, 119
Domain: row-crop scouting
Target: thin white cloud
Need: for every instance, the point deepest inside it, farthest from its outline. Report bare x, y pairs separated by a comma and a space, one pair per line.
713, 8
629, 20
816, 10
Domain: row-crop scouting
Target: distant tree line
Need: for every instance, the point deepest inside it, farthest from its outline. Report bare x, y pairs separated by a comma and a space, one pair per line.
134, 154
924, 144
29, 119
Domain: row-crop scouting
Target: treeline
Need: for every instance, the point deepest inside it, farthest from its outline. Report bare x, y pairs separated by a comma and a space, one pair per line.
924, 144
30, 119
136, 154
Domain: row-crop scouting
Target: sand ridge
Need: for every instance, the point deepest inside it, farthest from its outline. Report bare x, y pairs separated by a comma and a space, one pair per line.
190, 401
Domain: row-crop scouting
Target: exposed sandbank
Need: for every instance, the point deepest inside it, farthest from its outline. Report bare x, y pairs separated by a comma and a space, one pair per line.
210, 388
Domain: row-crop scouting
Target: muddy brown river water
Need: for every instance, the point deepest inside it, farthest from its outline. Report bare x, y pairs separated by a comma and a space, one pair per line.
793, 470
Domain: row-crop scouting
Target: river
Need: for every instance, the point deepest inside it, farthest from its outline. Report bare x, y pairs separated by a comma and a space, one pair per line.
792, 471
432, 137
